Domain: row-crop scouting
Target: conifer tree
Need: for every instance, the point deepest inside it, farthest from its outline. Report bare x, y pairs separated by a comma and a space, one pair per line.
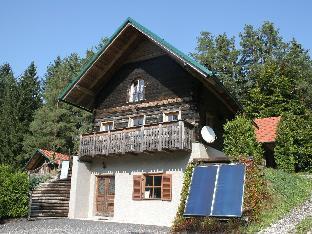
29, 101
56, 125
11, 137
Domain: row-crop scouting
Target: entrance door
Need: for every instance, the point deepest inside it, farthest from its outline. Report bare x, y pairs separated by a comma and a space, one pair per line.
105, 194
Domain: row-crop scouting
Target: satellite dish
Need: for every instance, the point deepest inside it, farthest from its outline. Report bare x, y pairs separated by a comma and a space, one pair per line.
208, 134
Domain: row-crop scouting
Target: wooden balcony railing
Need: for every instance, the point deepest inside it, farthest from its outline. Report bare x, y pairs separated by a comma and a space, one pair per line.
165, 136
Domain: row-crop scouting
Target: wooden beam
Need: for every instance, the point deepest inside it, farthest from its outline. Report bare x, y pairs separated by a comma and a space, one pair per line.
85, 90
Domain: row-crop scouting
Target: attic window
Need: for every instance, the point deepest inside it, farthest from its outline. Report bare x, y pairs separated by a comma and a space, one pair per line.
136, 92
106, 126
171, 116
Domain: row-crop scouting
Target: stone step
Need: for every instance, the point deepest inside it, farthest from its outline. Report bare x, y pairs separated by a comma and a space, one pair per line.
60, 203
51, 208
50, 199
48, 214
46, 190
49, 185
55, 184
59, 212
51, 194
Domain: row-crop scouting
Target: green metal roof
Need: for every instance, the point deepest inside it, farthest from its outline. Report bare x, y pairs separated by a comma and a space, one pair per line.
150, 34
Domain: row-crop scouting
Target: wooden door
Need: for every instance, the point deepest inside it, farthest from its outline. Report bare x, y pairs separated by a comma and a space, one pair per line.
105, 194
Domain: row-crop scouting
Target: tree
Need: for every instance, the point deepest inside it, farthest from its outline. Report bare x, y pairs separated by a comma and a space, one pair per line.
220, 55
240, 140
56, 125
30, 95
11, 137
268, 75
274, 92
293, 150
29, 101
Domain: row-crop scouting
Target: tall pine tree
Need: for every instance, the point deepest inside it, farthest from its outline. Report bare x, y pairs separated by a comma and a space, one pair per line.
29, 101
10, 127
57, 126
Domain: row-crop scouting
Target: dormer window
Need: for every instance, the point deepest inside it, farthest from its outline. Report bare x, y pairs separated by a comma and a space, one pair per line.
136, 91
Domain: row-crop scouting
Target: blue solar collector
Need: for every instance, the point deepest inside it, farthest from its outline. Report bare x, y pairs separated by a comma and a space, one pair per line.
216, 190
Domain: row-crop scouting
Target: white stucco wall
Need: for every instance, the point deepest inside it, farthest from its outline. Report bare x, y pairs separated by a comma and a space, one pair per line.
79, 195
153, 212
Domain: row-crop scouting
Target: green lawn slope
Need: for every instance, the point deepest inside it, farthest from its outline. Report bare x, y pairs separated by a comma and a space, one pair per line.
288, 191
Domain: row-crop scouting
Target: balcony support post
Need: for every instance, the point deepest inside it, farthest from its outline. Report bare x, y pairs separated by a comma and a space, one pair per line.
160, 137
94, 145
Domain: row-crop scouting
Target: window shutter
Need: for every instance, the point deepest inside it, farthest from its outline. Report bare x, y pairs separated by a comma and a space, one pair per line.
137, 187
166, 185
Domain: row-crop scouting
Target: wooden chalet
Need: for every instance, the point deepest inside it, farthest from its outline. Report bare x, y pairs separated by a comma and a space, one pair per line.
149, 102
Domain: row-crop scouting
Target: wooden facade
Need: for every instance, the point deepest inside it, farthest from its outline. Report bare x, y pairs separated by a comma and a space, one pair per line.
171, 84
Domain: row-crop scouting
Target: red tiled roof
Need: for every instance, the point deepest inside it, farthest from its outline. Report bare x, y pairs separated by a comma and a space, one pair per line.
54, 156
266, 129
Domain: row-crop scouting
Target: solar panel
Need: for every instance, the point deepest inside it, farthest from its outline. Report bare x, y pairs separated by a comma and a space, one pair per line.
229, 191
216, 190
202, 189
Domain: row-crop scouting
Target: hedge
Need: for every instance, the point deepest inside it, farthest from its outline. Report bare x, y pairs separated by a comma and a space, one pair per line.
293, 150
240, 140
14, 187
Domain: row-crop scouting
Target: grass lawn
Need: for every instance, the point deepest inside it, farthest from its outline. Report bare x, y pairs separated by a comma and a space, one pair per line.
288, 191
304, 226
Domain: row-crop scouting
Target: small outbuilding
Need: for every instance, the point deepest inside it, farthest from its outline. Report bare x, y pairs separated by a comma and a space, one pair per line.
266, 133
45, 161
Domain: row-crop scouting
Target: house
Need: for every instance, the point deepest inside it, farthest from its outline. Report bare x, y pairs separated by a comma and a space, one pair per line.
266, 133
149, 102
45, 161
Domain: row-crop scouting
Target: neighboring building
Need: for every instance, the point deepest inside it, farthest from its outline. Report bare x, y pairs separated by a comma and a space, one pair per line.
150, 102
45, 161
266, 132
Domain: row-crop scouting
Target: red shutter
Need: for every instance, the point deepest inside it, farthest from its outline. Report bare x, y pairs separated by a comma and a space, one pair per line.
166, 187
137, 187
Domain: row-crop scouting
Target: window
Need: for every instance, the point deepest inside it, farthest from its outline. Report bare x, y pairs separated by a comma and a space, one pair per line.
107, 126
171, 116
152, 186
136, 121
136, 91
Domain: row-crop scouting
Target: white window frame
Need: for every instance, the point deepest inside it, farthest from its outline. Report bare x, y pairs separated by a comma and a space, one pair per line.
140, 89
106, 123
167, 113
130, 122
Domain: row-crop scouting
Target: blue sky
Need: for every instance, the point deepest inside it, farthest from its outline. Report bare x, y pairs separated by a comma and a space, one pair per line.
41, 30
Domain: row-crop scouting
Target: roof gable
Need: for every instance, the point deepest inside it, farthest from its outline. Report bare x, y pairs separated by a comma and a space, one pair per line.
82, 90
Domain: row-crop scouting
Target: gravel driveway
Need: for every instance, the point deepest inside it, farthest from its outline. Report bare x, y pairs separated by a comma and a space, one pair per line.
76, 226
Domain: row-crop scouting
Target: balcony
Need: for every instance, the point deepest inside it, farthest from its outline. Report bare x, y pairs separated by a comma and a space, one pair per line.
148, 138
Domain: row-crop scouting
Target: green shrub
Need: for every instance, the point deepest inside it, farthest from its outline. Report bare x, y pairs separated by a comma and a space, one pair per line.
240, 140
293, 151
35, 180
13, 193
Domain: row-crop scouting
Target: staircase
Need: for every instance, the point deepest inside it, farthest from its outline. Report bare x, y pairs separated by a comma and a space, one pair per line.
51, 199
